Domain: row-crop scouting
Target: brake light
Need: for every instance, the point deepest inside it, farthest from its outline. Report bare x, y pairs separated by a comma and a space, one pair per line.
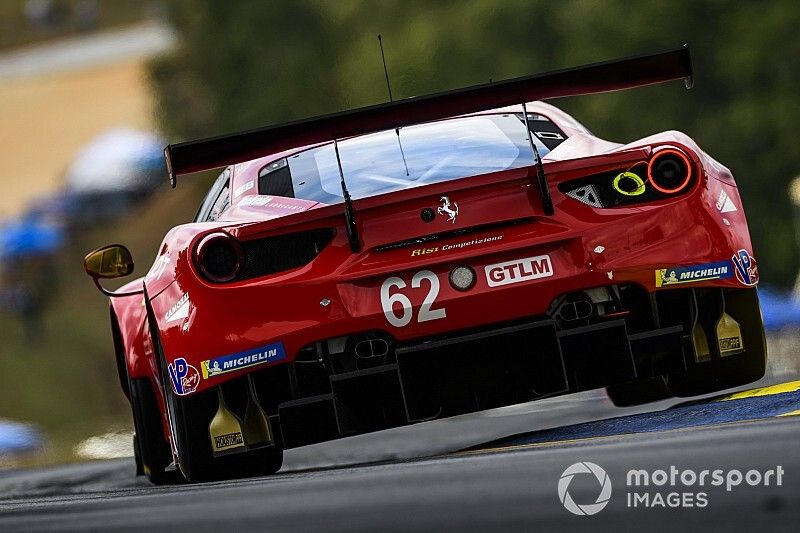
219, 257
669, 171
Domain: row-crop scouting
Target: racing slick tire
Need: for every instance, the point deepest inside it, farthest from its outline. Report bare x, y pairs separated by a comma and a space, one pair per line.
639, 392
151, 450
715, 376
195, 457
189, 418
734, 370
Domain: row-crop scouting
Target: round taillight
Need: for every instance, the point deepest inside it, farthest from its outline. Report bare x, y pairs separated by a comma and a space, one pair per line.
669, 171
219, 257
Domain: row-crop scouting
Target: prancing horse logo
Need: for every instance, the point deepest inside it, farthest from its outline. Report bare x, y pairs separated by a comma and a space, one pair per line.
451, 210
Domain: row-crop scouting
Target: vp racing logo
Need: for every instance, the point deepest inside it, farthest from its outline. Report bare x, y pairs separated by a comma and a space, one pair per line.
184, 377
584, 468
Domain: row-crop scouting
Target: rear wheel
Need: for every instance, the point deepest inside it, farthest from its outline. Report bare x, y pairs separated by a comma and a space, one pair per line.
719, 375
152, 451
196, 458
734, 370
189, 420
639, 392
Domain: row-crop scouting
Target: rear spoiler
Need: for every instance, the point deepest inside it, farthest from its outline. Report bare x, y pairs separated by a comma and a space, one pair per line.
214, 152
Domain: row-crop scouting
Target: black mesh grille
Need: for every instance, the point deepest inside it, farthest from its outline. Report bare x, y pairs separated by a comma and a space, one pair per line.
284, 252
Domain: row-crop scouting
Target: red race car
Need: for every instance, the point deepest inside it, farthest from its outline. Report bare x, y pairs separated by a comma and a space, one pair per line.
426, 258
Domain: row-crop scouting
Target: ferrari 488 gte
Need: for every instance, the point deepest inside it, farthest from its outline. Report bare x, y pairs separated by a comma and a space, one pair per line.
430, 257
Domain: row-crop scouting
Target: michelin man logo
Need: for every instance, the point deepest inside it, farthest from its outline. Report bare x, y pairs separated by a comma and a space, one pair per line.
589, 508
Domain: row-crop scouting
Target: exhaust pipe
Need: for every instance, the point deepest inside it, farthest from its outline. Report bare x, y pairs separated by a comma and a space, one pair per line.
577, 310
372, 348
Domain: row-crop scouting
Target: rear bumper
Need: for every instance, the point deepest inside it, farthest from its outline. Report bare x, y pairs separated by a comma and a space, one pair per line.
473, 372
314, 399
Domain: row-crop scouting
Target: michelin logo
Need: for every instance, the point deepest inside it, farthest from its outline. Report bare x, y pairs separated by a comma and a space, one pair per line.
230, 363
691, 274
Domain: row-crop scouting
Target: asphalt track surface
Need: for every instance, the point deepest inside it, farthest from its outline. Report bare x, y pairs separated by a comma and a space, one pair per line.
493, 471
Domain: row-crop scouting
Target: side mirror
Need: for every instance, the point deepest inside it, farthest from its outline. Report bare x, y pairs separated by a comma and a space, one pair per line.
109, 262
113, 261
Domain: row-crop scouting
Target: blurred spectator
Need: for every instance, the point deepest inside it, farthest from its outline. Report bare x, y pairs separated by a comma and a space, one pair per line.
87, 15
110, 174
27, 271
45, 14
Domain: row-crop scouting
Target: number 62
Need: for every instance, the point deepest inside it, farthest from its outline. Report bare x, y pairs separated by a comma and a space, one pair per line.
389, 300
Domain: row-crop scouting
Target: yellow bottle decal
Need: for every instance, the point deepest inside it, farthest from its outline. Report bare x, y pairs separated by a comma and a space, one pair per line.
225, 429
256, 423
701, 350
729, 335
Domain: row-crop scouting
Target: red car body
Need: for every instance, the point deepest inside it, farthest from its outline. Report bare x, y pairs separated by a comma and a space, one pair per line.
285, 307
397, 289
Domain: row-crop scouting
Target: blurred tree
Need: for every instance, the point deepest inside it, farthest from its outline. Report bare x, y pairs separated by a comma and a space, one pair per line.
249, 63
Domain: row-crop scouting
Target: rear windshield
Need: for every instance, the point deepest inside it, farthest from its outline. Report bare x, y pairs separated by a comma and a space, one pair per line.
409, 157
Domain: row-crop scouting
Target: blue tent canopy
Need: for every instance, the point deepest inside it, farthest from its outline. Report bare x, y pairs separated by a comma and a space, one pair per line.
16, 437
29, 238
779, 310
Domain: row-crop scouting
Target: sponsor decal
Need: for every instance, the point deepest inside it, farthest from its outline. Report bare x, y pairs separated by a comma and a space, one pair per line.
447, 209
730, 344
459, 245
519, 270
746, 269
724, 203
184, 377
179, 310
456, 246
229, 440
158, 267
259, 201
691, 274
230, 363
243, 188
424, 251
268, 201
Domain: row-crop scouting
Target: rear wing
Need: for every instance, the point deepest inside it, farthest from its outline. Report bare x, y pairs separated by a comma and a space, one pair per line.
214, 152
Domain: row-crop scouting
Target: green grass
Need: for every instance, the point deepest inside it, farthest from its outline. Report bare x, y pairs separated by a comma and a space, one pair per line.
65, 381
